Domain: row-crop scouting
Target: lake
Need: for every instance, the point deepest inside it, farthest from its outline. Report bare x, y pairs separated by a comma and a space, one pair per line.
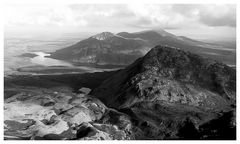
14, 47
41, 59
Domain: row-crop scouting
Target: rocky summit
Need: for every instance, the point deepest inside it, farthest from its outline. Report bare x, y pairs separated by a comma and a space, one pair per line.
173, 94
103, 36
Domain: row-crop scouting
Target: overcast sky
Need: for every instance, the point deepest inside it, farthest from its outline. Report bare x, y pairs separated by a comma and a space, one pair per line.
195, 21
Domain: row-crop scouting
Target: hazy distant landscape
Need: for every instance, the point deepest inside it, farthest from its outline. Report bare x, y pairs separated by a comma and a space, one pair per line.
120, 72
16, 49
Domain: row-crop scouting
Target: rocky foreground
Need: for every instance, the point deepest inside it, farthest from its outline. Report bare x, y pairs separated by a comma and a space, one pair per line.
167, 94
63, 116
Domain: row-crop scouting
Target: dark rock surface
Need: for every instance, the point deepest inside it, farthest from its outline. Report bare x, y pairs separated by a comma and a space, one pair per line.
169, 91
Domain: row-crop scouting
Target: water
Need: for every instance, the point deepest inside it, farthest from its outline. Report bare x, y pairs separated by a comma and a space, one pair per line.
41, 59
15, 46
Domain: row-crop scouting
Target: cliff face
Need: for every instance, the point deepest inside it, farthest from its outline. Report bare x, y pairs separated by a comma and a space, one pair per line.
169, 87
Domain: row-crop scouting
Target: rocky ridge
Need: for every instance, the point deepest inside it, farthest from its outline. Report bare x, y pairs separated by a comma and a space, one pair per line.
169, 87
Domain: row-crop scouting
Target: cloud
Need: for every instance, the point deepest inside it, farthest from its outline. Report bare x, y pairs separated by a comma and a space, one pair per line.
218, 15
182, 15
117, 17
39, 15
210, 15
163, 16
139, 15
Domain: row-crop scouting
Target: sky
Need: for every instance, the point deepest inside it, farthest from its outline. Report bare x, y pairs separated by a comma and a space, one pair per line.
199, 21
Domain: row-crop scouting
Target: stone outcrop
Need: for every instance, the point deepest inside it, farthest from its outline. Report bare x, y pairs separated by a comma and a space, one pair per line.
61, 116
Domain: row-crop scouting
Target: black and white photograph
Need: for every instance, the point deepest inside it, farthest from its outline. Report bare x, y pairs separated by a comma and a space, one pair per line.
83, 71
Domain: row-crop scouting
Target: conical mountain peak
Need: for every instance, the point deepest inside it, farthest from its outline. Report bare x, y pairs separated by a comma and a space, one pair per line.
103, 35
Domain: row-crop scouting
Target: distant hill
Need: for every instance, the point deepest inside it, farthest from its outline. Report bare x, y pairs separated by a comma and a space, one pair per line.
218, 52
103, 48
123, 48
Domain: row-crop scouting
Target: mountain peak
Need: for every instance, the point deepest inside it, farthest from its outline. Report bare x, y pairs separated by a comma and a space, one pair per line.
103, 35
166, 68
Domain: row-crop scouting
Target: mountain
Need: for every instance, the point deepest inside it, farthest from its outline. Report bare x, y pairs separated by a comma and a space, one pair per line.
162, 37
151, 36
173, 94
123, 48
103, 48
155, 37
